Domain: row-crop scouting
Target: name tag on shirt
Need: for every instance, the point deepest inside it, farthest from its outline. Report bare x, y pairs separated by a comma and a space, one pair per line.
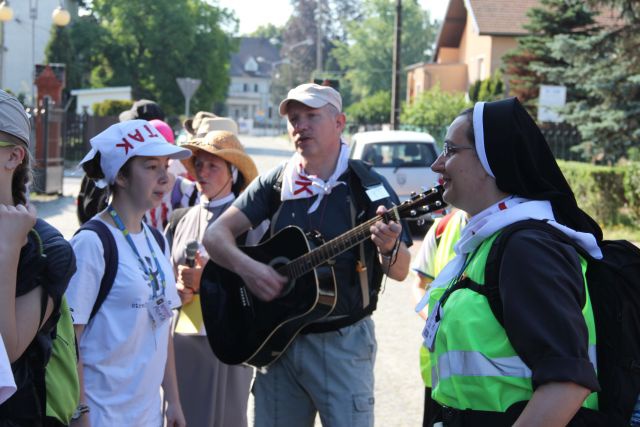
159, 310
431, 327
376, 193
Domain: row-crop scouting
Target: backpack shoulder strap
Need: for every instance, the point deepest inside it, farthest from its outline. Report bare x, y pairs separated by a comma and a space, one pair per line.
492, 267
174, 219
274, 199
364, 179
110, 260
365, 174
159, 237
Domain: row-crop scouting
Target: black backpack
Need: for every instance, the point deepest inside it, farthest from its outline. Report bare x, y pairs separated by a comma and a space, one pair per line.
91, 199
110, 253
27, 406
614, 289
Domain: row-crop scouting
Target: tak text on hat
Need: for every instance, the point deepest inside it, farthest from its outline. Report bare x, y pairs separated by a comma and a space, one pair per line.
122, 141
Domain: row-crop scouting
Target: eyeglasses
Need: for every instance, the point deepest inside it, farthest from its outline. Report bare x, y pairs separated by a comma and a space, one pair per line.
6, 144
449, 149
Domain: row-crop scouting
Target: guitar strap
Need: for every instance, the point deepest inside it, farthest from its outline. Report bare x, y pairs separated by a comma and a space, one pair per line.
366, 180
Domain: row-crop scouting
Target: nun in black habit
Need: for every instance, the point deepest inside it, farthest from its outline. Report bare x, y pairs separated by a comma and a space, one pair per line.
539, 369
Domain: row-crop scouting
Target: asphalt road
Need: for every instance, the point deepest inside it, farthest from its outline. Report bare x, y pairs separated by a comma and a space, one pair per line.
398, 389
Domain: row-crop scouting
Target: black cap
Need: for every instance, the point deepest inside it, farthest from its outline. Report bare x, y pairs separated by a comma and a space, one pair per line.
143, 109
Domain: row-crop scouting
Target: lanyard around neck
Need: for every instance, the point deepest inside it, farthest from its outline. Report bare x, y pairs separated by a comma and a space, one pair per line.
153, 277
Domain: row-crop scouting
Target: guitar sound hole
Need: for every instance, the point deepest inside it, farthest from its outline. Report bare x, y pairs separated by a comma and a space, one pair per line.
276, 263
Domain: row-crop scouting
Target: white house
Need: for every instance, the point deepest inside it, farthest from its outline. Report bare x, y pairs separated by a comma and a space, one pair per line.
249, 94
24, 38
87, 97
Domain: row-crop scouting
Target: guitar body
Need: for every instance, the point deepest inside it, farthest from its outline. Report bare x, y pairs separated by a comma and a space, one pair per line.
244, 329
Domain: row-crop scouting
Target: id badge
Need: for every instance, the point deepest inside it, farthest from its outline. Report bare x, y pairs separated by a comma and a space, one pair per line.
159, 310
377, 193
431, 327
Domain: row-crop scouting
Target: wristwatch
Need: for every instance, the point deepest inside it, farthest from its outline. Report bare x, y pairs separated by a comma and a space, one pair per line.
81, 409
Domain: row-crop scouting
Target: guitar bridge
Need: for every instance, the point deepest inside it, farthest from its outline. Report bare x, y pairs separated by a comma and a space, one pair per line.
244, 298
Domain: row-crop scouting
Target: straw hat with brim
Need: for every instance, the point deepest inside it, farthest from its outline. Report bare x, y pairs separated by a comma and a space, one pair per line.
208, 124
225, 145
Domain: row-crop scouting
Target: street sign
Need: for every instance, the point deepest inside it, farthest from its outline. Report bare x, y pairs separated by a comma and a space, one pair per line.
188, 87
551, 99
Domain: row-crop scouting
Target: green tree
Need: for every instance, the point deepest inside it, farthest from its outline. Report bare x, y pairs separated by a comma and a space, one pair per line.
434, 110
271, 32
531, 63
606, 68
374, 109
489, 89
147, 44
367, 54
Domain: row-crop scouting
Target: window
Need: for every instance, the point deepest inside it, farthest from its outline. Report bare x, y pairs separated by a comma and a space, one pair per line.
402, 154
256, 88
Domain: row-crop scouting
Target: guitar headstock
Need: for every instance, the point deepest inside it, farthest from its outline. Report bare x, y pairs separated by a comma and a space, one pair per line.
422, 203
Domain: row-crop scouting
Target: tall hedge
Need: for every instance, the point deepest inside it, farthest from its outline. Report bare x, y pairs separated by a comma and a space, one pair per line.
110, 107
632, 190
599, 190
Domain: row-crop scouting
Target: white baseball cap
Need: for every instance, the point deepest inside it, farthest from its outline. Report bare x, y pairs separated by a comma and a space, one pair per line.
312, 95
122, 141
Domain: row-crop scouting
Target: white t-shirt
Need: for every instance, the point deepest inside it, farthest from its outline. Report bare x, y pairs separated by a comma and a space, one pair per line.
123, 354
7, 384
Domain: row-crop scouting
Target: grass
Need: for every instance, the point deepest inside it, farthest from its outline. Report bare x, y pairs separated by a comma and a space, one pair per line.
620, 232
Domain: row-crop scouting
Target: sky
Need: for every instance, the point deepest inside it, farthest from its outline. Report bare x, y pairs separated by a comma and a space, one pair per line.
254, 13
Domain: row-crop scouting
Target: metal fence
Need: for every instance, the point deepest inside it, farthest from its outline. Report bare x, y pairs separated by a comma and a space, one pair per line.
77, 130
562, 139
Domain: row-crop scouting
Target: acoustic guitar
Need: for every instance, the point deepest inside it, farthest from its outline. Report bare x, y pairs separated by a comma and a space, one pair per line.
244, 329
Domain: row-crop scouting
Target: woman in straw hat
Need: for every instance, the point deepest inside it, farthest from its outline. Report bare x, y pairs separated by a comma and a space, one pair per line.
125, 350
212, 393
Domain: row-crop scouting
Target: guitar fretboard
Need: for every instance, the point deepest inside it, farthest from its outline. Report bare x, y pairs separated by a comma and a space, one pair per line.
334, 247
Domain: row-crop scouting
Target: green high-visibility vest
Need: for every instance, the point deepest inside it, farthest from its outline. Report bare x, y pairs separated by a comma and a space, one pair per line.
444, 254
474, 365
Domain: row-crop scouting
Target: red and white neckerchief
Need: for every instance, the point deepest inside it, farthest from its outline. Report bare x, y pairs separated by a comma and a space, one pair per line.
296, 184
158, 217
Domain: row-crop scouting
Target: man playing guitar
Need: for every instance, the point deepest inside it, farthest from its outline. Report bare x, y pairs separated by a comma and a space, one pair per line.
328, 368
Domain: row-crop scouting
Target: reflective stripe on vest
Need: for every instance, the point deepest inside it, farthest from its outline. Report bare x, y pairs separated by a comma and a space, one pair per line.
476, 364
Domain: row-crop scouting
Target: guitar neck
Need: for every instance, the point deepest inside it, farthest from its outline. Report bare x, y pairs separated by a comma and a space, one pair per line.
334, 247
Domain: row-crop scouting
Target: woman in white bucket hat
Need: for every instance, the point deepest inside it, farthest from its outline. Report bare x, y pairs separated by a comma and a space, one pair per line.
125, 345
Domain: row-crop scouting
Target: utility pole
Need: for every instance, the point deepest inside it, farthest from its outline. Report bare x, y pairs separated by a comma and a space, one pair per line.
395, 80
319, 36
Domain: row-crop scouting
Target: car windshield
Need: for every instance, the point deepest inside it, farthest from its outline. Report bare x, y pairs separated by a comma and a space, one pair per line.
399, 154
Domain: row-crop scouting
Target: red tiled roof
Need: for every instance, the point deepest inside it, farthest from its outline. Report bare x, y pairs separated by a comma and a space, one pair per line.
507, 17
495, 17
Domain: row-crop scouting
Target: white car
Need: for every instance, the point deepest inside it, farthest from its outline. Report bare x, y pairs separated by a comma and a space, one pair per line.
403, 158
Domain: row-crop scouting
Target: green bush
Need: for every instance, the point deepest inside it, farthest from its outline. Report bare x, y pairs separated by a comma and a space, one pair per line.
434, 110
632, 189
599, 190
110, 107
374, 109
